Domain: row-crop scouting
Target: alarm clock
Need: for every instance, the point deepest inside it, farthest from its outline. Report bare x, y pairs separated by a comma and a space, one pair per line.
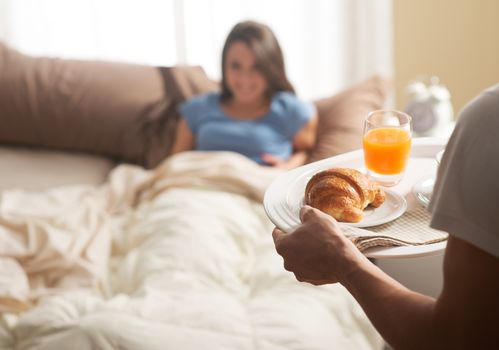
430, 108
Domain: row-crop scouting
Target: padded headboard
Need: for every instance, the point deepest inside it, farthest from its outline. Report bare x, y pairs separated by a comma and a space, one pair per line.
123, 111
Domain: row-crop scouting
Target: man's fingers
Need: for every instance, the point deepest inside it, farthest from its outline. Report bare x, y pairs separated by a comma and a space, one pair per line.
277, 233
305, 212
317, 282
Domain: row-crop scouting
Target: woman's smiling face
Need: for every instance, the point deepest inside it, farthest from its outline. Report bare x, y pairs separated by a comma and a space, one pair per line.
243, 77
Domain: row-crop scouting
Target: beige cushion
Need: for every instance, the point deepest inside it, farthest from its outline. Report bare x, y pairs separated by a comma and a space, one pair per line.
36, 170
123, 111
341, 117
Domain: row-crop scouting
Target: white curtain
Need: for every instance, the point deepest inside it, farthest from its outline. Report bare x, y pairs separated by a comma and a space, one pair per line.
328, 44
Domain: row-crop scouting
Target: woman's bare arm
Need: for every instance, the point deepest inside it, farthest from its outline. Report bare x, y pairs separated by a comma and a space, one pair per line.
303, 141
184, 139
305, 138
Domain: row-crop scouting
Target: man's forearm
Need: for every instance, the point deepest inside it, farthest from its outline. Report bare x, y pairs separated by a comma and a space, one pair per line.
404, 318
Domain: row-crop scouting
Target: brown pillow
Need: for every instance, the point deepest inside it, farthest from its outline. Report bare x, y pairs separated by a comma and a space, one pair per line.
119, 110
341, 117
181, 83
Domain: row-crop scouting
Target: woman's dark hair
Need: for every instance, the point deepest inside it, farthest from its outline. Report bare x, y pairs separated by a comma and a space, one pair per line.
269, 59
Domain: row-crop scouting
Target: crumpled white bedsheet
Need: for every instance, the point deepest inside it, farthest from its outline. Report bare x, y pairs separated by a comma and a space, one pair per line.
192, 266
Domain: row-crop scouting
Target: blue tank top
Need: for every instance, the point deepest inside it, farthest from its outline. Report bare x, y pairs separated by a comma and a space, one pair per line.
271, 133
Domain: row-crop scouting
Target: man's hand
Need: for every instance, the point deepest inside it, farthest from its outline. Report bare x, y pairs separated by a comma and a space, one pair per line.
317, 252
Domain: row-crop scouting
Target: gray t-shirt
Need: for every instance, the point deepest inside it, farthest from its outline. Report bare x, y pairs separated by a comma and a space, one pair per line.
465, 200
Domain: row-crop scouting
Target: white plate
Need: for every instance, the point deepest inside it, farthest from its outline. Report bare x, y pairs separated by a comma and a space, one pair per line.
421, 163
285, 197
423, 189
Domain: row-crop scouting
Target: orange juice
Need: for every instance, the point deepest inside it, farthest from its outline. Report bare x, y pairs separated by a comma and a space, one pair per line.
386, 150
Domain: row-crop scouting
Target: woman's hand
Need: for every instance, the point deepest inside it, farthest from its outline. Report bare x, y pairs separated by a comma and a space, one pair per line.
297, 159
317, 251
273, 161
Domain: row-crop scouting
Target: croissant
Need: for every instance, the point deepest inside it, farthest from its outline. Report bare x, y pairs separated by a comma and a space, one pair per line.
343, 193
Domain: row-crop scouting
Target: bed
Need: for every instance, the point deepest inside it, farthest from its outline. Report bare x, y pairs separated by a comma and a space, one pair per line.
106, 248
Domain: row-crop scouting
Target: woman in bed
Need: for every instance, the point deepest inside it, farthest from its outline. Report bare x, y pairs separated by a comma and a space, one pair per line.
256, 113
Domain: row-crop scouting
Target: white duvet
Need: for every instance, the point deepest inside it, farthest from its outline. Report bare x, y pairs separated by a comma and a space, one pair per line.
176, 258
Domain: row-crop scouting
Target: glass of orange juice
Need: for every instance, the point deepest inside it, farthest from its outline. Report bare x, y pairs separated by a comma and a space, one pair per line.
387, 143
